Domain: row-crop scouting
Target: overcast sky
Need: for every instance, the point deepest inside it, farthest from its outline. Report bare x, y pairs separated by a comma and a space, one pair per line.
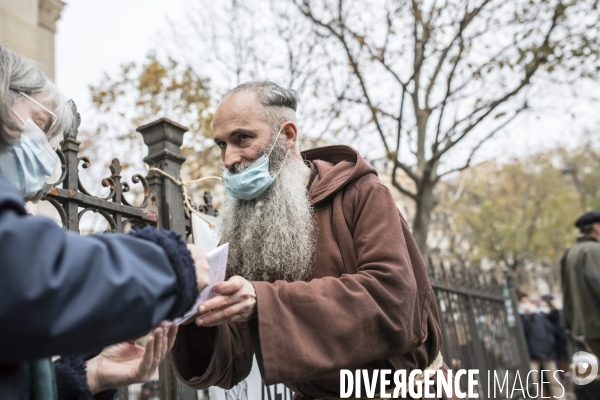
96, 36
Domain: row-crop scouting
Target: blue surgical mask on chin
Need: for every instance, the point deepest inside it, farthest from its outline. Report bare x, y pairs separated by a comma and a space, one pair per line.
30, 161
254, 180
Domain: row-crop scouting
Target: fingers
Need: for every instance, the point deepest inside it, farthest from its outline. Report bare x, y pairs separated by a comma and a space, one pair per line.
233, 285
215, 303
235, 313
201, 265
158, 347
197, 253
228, 291
171, 336
146, 362
237, 302
165, 345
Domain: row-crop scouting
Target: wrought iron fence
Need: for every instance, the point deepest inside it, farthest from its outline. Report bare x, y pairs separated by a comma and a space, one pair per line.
162, 204
480, 326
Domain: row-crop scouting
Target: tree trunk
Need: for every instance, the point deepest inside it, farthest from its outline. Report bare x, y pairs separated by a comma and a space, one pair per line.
425, 204
422, 120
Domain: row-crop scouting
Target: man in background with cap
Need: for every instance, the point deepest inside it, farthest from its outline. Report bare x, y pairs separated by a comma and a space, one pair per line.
580, 270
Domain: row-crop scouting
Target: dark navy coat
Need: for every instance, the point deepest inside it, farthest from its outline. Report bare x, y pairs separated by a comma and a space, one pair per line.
542, 336
62, 293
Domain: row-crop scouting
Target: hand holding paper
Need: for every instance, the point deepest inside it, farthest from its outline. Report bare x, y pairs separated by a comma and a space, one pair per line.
217, 260
235, 302
221, 302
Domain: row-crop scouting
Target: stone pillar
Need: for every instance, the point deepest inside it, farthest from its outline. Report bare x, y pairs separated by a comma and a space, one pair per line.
18, 26
28, 27
48, 13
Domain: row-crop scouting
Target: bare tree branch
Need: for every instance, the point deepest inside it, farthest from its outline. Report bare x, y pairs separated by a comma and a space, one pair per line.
402, 190
463, 24
449, 92
380, 57
482, 141
530, 69
355, 68
476, 72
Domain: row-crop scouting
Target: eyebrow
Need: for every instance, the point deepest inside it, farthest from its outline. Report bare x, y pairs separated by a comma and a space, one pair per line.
239, 131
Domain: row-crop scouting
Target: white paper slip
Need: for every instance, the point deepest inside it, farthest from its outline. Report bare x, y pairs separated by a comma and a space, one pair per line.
217, 260
204, 236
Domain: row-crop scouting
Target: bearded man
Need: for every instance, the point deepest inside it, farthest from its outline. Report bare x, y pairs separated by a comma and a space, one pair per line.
325, 274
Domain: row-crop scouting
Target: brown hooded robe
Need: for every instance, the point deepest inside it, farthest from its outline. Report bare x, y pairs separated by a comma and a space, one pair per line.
369, 303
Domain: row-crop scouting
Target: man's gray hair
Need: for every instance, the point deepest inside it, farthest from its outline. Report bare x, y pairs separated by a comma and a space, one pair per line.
279, 104
20, 75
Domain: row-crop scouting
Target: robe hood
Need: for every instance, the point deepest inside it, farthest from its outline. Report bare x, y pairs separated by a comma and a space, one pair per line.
337, 166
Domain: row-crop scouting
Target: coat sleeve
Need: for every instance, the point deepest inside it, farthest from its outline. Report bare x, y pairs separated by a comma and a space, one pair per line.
62, 293
591, 270
220, 356
566, 291
71, 380
312, 329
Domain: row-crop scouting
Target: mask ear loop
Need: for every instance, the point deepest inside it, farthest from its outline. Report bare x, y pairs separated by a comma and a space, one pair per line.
46, 143
39, 104
275, 141
18, 116
270, 151
43, 107
282, 164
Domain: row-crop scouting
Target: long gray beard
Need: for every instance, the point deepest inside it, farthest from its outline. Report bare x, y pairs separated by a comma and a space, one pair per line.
271, 238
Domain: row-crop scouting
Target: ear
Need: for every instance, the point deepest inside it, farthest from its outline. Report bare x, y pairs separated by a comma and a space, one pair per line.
291, 134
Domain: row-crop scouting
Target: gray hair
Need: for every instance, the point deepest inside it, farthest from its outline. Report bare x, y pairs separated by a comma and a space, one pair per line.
279, 104
21, 75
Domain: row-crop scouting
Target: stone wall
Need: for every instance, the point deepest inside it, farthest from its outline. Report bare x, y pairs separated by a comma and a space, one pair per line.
28, 27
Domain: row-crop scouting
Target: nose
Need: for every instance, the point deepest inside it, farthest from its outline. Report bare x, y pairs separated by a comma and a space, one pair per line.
230, 158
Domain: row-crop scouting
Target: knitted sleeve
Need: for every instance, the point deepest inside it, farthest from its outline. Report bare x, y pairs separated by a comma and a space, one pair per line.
181, 261
71, 380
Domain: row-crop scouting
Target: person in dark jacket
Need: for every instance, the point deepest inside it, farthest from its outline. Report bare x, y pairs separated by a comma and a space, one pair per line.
581, 283
580, 271
548, 309
61, 293
541, 336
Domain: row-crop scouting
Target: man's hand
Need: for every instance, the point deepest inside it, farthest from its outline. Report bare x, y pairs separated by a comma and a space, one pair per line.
236, 302
201, 262
126, 363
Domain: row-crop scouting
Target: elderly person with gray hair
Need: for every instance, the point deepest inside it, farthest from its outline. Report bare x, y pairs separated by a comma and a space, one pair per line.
324, 273
62, 293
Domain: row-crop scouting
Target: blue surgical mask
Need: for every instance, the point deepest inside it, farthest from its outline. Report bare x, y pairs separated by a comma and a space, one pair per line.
30, 161
254, 180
